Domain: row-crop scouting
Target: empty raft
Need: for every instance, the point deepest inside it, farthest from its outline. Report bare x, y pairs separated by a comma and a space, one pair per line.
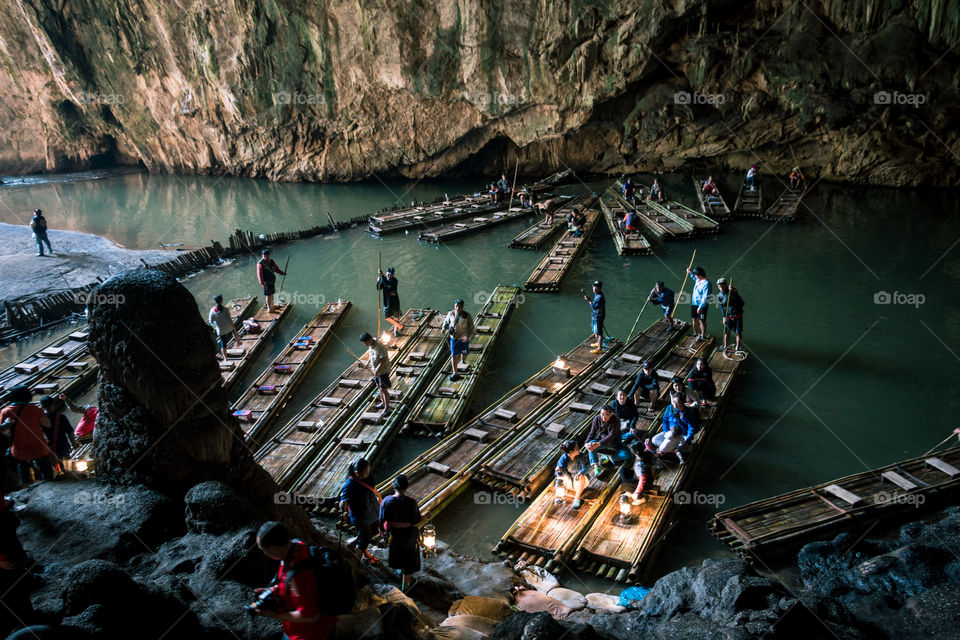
464, 227
631, 243
699, 223
296, 444
535, 236
253, 336
653, 220
440, 473
30, 371
785, 208
712, 204
525, 463
472, 207
783, 523
368, 431
623, 539
549, 274
260, 403
440, 408
749, 201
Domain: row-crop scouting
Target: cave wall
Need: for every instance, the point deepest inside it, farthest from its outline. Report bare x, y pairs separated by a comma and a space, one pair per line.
334, 91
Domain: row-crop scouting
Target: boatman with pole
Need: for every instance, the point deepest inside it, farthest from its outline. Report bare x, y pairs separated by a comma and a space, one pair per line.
664, 297
266, 276
391, 299
378, 361
598, 313
731, 305
458, 325
700, 297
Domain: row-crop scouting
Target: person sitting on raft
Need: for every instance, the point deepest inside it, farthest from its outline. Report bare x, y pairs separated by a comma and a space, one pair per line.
503, 184
646, 386
796, 178
664, 297
604, 438
630, 223
495, 193
626, 411
575, 222
700, 381
656, 191
710, 187
526, 198
643, 461
680, 415
669, 443
630, 190
572, 470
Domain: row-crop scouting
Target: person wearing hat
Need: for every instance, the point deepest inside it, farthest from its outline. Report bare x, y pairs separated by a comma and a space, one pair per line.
598, 312
751, 180
664, 297
399, 516
731, 306
60, 434
219, 318
700, 297
38, 224
700, 381
391, 299
378, 361
458, 325
266, 270
646, 386
796, 178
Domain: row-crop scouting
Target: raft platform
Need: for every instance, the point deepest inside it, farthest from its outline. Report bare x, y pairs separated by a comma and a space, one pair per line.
653, 220
549, 274
700, 223
472, 206
31, 371
240, 356
285, 454
263, 400
785, 208
749, 201
711, 204
440, 408
632, 244
784, 523
539, 233
466, 227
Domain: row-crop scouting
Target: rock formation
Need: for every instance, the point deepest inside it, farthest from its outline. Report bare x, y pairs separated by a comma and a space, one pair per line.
299, 90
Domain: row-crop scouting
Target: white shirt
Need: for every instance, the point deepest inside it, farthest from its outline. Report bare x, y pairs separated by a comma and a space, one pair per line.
221, 321
378, 358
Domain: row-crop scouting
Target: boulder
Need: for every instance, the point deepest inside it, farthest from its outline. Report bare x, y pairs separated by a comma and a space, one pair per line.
604, 602
214, 507
572, 599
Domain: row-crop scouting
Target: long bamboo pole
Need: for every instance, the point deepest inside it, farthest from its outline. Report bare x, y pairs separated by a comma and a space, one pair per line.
513, 189
686, 276
283, 279
379, 275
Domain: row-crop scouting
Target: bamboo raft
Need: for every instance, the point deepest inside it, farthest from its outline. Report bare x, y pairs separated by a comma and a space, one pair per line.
298, 441
263, 400
440, 408
31, 371
785, 522
470, 206
368, 431
439, 474
700, 223
620, 547
239, 357
535, 236
711, 204
632, 244
549, 274
464, 227
749, 201
524, 464
653, 220
546, 534
785, 208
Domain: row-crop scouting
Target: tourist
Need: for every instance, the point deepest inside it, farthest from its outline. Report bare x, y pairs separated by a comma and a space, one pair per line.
751, 179
626, 411
604, 439
495, 192
458, 325
678, 415
646, 386
378, 361
630, 222
796, 178
667, 442
297, 590
24, 422
572, 470
598, 313
391, 299
60, 434
678, 387
731, 306
546, 208
575, 222
399, 515
38, 224
642, 468
219, 318
710, 187
699, 300
656, 191
362, 502
526, 198
700, 381
664, 297
503, 183
630, 191
266, 270
84, 431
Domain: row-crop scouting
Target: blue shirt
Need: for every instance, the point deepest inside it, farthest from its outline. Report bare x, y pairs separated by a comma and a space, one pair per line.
673, 418
665, 298
701, 291
362, 503
599, 307
571, 466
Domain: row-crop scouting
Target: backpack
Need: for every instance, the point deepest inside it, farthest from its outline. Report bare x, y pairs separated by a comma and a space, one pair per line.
38, 224
336, 588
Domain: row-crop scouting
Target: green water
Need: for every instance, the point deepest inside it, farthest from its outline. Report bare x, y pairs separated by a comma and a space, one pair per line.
874, 380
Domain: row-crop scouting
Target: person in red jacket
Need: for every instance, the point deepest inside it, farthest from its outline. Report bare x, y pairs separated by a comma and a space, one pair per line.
24, 423
266, 270
295, 590
84, 431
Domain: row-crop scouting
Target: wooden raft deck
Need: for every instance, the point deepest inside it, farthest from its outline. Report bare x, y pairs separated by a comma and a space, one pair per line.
785, 208
472, 206
31, 370
549, 274
260, 403
620, 548
286, 453
437, 475
465, 227
783, 523
653, 220
440, 408
525, 463
711, 204
627, 244
536, 236
700, 223
367, 432
749, 201
240, 356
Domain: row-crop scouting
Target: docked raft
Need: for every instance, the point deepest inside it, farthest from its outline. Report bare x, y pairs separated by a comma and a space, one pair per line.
474, 206
550, 272
465, 227
749, 201
368, 431
439, 474
30, 371
699, 223
262, 401
627, 244
525, 463
439, 409
711, 204
285, 454
619, 546
535, 236
783, 523
785, 208
661, 225
239, 356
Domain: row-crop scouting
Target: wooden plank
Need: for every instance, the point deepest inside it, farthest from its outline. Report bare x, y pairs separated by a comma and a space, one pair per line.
899, 480
940, 465
839, 492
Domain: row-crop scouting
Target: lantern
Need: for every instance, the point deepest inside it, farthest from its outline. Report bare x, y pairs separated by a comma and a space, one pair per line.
626, 502
559, 490
385, 337
429, 538
559, 363
80, 465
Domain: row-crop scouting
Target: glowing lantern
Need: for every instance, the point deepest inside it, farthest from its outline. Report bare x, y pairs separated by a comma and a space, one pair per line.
560, 364
385, 337
626, 502
559, 490
81, 465
429, 537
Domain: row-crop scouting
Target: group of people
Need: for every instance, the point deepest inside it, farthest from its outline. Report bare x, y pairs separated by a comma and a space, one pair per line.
629, 191
500, 189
